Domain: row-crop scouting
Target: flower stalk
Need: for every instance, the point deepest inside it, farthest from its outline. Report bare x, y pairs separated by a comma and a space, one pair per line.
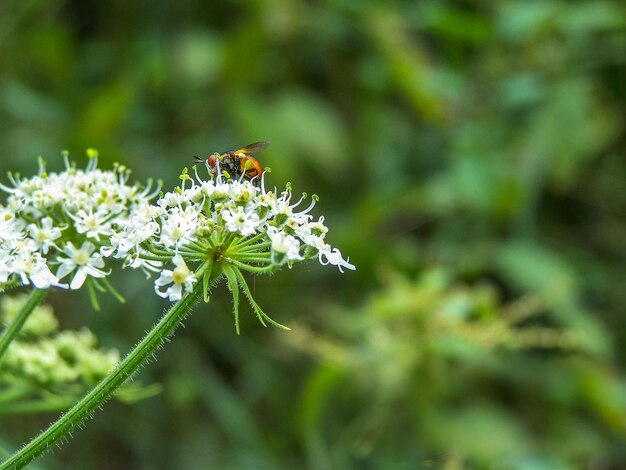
142, 353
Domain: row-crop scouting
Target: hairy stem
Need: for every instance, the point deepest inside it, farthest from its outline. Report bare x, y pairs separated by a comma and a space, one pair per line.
142, 353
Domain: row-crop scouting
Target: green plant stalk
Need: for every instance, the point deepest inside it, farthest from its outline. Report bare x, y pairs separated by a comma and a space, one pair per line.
142, 353
35, 297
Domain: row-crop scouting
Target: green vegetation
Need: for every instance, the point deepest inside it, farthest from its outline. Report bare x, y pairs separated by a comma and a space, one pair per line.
470, 157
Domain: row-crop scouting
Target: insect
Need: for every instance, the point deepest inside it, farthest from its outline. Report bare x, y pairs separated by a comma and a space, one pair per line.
237, 163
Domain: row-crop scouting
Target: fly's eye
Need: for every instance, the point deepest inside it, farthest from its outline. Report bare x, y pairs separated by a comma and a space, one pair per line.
211, 161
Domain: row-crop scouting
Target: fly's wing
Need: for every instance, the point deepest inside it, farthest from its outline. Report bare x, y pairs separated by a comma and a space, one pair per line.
251, 149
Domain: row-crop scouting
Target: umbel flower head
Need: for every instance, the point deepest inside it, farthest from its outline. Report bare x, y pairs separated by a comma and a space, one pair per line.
64, 229
55, 228
221, 227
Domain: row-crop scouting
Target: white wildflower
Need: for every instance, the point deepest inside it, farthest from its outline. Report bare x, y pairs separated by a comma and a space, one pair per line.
44, 234
284, 247
83, 261
330, 255
45, 217
93, 224
180, 226
32, 268
181, 278
240, 221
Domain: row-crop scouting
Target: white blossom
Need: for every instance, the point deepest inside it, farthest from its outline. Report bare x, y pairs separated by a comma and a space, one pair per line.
330, 255
240, 221
45, 217
181, 278
284, 247
32, 267
44, 234
180, 226
218, 215
82, 261
74, 223
93, 224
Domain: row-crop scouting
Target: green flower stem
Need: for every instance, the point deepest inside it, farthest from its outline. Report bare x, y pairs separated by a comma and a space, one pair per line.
254, 259
36, 296
142, 353
248, 249
251, 240
155, 257
199, 246
253, 269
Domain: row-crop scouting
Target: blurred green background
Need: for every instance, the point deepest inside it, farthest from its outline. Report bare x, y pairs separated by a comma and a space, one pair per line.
469, 157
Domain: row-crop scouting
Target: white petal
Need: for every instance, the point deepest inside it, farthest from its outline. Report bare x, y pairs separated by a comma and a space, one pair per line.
65, 268
79, 279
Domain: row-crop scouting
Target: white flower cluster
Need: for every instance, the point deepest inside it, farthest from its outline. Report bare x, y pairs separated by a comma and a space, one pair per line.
54, 225
69, 225
232, 221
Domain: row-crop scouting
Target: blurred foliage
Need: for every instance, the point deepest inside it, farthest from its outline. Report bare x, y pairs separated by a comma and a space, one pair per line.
46, 369
476, 147
428, 370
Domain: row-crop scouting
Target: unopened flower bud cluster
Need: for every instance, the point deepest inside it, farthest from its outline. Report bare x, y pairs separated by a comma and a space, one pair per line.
44, 356
40, 322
